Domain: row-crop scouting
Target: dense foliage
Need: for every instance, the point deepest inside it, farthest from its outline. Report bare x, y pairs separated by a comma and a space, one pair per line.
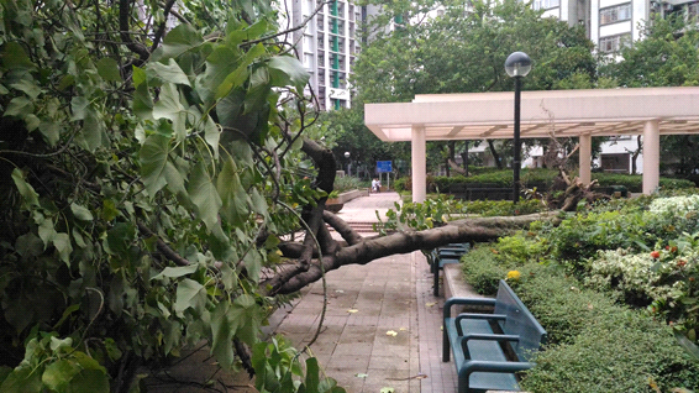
594, 343
540, 178
140, 166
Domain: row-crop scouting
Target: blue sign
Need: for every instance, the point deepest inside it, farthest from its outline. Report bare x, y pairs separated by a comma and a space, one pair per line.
384, 166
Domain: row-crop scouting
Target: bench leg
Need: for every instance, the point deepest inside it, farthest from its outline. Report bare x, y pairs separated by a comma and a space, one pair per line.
445, 344
436, 279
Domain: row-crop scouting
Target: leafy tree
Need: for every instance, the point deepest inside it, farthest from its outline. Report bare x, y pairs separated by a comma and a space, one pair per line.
150, 175
464, 51
666, 56
346, 126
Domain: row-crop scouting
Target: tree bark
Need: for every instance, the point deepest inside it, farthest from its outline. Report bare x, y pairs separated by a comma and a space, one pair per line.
365, 250
494, 152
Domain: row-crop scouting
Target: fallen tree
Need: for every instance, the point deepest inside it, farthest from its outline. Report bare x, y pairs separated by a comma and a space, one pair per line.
149, 175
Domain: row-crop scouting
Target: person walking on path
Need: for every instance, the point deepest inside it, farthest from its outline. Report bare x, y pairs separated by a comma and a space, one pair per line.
375, 185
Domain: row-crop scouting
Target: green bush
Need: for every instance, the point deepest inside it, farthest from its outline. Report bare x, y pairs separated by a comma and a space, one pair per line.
622, 351
483, 270
403, 184
347, 183
541, 177
504, 208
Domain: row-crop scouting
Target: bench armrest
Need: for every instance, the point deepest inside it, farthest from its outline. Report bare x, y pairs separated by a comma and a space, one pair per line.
465, 301
493, 367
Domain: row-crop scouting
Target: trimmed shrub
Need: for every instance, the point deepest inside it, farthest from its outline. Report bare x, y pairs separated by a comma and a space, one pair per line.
622, 351
504, 208
482, 270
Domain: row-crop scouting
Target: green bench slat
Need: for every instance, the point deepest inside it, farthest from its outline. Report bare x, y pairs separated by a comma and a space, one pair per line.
484, 354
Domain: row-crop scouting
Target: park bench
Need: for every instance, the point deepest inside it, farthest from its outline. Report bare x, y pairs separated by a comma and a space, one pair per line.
480, 351
444, 255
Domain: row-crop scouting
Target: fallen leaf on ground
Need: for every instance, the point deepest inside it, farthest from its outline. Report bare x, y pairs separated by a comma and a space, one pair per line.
361, 375
391, 333
339, 291
402, 329
352, 311
387, 390
430, 304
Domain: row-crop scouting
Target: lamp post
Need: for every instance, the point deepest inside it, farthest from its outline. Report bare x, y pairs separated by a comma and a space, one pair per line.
347, 156
517, 66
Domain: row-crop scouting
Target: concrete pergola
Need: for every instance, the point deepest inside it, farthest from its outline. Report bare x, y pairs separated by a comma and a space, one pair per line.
650, 112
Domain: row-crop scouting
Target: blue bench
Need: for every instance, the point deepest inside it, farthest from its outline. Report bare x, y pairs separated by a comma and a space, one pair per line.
479, 357
444, 255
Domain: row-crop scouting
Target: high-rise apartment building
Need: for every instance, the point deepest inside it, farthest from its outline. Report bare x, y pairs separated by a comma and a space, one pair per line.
613, 23
327, 45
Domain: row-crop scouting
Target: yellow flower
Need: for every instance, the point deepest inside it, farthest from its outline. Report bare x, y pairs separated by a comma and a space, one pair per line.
513, 275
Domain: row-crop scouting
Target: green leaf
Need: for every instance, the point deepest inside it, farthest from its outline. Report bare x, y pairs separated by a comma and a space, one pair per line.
81, 212
204, 195
14, 57
46, 231
62, 243
170, 72
174, 179
19, 107
78, 106
4, 373
247, 317
212, 135
168, 105
91, 133
51, 131
238, 77
89, 380
22, 380
219, 65
175, 272
178, 41
142, 102
222, 331
138, 76
108, 69
190, 294
153, 157
259, 203
57, 375
285, 70
28, 88
31, 198
233, 195
312, 375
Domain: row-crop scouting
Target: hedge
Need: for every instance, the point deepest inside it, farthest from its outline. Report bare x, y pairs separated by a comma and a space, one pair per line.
595, 345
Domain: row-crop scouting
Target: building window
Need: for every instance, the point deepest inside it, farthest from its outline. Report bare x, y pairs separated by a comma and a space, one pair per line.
614, 43
545, 4
693, 10
618, 13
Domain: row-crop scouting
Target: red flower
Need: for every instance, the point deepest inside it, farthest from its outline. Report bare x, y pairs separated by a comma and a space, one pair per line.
655, 254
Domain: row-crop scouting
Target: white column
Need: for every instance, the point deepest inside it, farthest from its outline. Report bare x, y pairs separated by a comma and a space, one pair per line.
585, 152
419, 163
651, 156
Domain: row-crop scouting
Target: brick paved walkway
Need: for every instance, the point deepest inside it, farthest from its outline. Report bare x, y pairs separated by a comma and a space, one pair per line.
392, 294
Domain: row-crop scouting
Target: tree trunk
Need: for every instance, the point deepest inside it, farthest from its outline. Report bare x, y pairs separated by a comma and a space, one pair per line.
494, 152
464, 159
359, 250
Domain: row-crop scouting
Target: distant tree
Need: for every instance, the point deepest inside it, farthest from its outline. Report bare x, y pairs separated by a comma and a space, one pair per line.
464, 51
665, 56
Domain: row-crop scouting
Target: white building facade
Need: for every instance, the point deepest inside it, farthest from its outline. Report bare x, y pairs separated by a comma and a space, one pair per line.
327, 45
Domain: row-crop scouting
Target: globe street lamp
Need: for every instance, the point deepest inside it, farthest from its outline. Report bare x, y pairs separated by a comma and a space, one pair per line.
517, 66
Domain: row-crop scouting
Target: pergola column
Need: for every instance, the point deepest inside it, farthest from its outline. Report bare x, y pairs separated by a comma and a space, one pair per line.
651, 156
419, 163
585, 151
